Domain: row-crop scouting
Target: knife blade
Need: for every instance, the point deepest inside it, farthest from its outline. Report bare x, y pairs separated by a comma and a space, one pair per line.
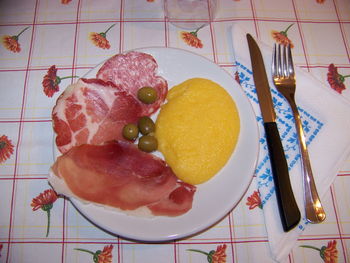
288, 208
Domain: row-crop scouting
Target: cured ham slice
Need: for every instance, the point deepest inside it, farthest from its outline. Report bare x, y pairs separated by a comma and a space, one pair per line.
92, 111
133, 71
117, 174
178, 202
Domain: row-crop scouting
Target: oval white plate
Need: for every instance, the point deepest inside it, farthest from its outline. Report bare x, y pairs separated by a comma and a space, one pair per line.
213, 199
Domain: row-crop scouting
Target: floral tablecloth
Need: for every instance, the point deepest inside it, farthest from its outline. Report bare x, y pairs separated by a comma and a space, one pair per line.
46, 44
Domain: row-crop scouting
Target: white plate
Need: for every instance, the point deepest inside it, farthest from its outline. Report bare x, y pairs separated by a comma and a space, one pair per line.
213, 199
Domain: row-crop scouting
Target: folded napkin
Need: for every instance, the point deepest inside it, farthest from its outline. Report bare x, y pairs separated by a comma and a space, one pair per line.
325, 117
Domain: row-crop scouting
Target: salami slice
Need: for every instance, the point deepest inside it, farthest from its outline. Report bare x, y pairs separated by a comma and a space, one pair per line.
133, 71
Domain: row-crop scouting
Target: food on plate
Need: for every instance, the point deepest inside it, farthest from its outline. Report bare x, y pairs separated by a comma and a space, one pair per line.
130, 131
117, 174
146, 125
197, 129
133, 71
93, 111
106, 136
177, 203
148, 143
147, 95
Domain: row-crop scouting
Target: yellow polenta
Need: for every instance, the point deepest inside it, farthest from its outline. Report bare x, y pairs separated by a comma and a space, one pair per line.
197, 129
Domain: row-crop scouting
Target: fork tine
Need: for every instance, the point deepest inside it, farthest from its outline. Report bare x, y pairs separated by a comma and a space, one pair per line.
284, 62
290, 62
279, 68
274, 61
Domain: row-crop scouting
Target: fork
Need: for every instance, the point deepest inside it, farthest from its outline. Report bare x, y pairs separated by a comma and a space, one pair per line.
284, 79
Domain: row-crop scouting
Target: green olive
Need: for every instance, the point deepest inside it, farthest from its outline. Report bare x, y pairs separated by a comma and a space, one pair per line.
148, 143
147, 95
130, 131
146, 125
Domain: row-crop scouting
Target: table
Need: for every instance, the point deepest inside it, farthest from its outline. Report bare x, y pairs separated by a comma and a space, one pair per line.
37, 34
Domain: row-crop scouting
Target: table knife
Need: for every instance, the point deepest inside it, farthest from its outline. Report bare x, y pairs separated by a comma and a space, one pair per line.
288, 208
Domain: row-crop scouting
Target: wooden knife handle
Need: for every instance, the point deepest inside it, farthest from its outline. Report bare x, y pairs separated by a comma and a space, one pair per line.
288, 208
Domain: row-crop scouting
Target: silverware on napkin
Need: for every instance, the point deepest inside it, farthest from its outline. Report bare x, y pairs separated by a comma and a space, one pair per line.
288, 208
284, 80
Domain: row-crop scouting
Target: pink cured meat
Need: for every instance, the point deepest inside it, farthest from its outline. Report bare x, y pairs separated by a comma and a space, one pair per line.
92, 111
133, 71
118, 174
178, 202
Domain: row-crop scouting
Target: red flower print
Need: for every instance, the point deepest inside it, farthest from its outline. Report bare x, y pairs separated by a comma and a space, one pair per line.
320, 1
11, 42
219, 256
214, 256
281, 37
45, 201
254, 200
328, 253
237, 77
191, 38
104, 256
6, 148
335, 79
100, 39
65, 2
150, 1
51, 81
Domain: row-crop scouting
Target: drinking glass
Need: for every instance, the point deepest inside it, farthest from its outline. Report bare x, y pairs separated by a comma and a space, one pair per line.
190, 14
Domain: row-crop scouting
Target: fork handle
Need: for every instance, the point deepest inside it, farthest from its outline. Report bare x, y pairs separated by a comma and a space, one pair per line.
288, 208
313, 208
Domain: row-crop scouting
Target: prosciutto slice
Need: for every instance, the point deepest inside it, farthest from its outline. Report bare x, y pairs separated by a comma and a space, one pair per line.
133, 71
178, 202
117, 174
92, 111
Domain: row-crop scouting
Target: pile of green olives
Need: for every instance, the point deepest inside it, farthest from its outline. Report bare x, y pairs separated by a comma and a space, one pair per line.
147, 142
147, 95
